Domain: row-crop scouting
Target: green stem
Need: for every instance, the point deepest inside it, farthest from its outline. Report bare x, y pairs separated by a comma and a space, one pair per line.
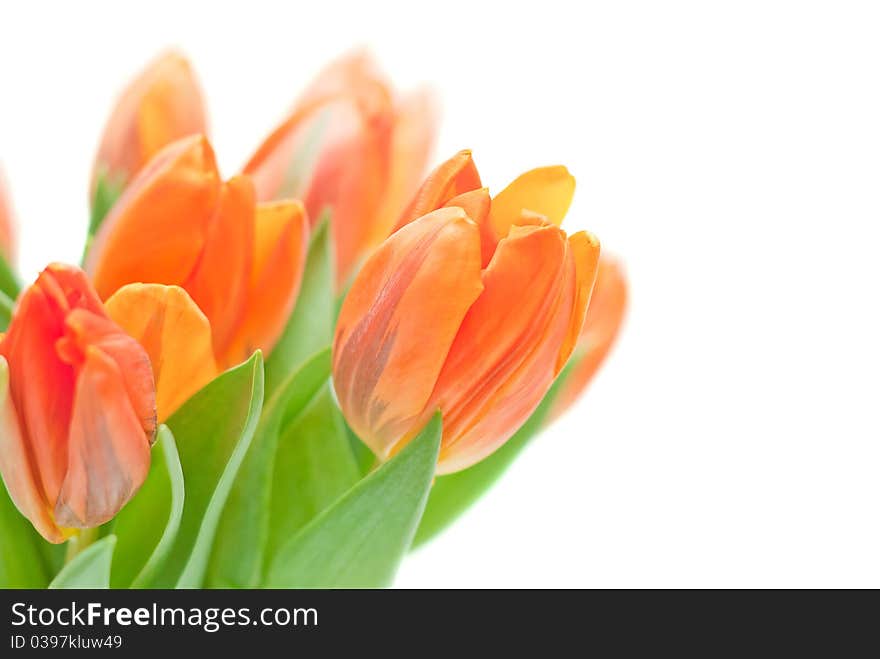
79, 542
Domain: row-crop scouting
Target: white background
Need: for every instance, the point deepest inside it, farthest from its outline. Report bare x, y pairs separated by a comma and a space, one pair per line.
730, 152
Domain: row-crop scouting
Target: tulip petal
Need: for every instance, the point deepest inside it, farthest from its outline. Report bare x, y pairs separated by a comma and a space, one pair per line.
398, 322
219, 282
602, 325
411, 145
175, 334
504, 356
455, 176
477, 204
7, 232
156, 231
108, 453
584, 252
21, 483
547, 191
86, 329
354, 74
280, 244
171, 108
348, 178
41, 384
163, 104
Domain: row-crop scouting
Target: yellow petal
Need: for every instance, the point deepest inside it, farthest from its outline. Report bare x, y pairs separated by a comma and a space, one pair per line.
547, 191
176, 335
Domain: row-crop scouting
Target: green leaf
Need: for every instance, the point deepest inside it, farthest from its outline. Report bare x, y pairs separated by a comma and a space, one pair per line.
90, 568
237, 559
454, 493
310, 326
314, 466
362, 538
108, 189
9, 284
6, 307
213, 431
147, 527
363, 456
22, 564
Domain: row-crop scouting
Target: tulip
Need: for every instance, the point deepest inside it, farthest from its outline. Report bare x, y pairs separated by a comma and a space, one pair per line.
7, 232
601, 327
471, 307
160, 106
179, 224
351, 146
77, 407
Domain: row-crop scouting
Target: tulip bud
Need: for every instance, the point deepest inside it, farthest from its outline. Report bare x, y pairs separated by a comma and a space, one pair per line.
160, 106
179, 224
77, 407
601, 327
472, 307
351, 146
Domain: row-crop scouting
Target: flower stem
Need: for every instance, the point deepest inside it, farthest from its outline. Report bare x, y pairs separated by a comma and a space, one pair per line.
79, 542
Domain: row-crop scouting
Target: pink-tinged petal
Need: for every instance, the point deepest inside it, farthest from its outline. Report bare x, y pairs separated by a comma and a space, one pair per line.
399, 320
348, 181
18, 475
109, 452
7, 224
355, 74
411, 145
85, 329
602, 325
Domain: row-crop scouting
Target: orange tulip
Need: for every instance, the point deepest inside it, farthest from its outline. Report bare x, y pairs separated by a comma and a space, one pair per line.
77, 407
601, 327
162, 105
472, 307
179, 224
7, 233
350, 146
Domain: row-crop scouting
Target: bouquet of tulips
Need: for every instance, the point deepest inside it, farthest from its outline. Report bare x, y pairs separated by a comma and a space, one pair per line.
291, 377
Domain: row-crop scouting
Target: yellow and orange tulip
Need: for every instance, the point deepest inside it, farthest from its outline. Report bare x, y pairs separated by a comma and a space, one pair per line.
179, 224
77, 407
471, 307
351, 146
162, 105
601, 327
